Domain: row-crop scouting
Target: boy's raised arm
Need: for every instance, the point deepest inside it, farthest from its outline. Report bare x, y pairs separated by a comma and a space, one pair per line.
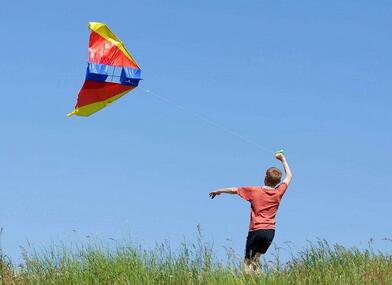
289, 175
231, 190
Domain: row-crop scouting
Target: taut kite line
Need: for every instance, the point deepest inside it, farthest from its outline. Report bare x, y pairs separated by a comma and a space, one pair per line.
111, 71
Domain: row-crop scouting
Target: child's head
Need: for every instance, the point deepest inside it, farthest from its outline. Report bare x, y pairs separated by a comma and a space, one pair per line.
272, 177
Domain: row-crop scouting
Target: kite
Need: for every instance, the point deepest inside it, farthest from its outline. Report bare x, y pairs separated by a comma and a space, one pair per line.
111, 72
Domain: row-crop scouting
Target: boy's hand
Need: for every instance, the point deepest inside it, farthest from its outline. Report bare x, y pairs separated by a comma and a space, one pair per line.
214, 193
280, 156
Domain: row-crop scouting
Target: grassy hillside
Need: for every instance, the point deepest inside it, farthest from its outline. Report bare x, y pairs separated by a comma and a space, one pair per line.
320, 263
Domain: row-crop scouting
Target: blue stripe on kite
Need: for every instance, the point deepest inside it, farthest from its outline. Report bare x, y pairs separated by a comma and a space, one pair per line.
115, 74
130, 76
97, 72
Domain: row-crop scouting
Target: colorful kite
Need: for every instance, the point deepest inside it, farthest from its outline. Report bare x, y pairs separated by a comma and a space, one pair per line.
111, 71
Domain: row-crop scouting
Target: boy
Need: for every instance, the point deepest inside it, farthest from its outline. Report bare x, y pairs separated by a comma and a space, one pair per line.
264, 202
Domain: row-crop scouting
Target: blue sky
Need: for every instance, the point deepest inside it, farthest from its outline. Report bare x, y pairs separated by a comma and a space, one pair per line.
313, 77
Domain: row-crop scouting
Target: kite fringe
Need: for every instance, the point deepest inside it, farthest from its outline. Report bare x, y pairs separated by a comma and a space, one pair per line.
71, 114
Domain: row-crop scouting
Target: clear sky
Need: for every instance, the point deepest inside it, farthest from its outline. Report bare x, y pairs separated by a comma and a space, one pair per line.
313, 77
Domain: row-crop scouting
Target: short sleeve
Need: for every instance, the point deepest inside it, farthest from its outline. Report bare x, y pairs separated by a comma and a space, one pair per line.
282, 189
246, 193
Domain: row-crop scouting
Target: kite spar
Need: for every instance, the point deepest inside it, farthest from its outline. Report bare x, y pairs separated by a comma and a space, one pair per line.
111, 71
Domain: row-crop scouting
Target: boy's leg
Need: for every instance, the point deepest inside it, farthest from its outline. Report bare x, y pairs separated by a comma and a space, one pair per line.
252, 265
249, 253
249, 266
256, 263
257, 244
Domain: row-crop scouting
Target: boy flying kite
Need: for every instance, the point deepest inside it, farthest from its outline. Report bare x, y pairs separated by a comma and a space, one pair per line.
264, 201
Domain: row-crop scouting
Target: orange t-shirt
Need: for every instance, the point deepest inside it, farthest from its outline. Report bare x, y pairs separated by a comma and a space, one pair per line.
264, 203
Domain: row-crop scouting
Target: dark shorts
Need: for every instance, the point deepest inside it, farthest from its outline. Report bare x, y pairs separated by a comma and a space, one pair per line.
258, 242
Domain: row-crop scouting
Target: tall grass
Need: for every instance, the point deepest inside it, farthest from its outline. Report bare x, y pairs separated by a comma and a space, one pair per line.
195, 263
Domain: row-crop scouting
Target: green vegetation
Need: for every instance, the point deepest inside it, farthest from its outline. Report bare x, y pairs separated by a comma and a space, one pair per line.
320, 263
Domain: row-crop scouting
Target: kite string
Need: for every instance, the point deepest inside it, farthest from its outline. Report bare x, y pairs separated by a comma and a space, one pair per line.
208, 121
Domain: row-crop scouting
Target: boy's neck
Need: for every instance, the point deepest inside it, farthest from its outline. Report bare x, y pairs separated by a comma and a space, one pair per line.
268, 187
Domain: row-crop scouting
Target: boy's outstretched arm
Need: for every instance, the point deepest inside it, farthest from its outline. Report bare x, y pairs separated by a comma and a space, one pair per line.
231, 190
289, 175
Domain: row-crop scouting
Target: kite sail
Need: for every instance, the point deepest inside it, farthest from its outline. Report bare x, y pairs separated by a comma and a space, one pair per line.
111, 71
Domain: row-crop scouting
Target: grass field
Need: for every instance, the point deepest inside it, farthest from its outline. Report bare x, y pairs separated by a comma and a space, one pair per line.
319, 263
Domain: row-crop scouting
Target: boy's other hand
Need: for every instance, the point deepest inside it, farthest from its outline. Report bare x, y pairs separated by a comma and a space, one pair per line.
279, 156
214, 193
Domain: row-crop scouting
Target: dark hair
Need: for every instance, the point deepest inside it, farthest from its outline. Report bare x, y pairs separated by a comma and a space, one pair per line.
272, 176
